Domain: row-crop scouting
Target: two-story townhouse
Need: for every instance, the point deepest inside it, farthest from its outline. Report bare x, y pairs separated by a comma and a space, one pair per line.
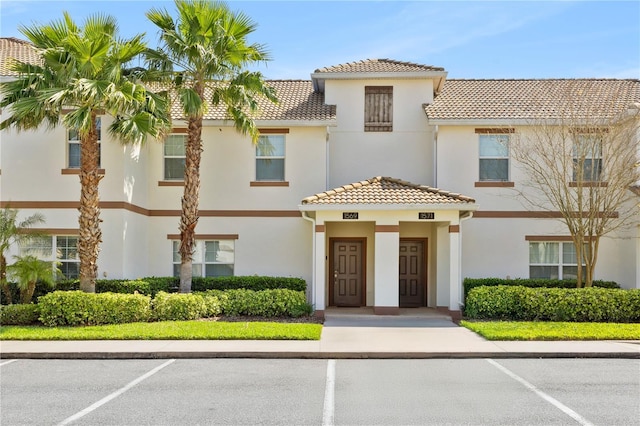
342, 190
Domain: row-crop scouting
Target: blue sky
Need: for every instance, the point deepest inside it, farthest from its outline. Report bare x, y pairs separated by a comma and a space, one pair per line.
476, 39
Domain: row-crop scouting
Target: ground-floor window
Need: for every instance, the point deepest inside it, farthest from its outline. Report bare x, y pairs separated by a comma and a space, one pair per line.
60, 250
210, 259
553, 260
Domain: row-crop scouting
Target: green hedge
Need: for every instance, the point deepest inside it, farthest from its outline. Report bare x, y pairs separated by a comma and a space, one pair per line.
553, 304
62, 308
470, 283
183, 307
265, 303
248, 282
19, 314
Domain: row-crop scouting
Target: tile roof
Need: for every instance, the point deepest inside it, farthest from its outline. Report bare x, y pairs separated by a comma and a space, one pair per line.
14, 48
297, 102
532, 99
377, 65
386, 190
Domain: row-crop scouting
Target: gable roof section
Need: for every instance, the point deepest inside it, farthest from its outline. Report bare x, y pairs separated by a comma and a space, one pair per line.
378, 66
298, 102
387, 191
512, 100
14, 48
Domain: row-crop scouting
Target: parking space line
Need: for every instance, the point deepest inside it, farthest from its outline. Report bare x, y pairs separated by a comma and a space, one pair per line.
328, 410
114, 394
568, 411
7, 362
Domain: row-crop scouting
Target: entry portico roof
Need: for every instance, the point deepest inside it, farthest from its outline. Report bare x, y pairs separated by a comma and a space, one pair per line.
387, 191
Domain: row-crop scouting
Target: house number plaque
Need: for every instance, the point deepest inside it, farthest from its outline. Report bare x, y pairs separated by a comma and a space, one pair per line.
350, 215
426, 215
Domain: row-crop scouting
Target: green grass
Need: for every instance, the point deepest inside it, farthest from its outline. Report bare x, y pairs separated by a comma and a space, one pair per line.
169, 330
528, 330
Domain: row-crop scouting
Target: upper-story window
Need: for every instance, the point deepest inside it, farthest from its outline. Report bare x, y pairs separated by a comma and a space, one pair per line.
174, 156
378, 108
270, 156
74, 146
494, 157
587, 157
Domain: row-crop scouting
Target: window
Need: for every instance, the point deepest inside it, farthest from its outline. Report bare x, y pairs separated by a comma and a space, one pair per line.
60, 250
210, 259
73, 142
378, 108
587, 158
553, 260
494, 157
174, 157
270, 156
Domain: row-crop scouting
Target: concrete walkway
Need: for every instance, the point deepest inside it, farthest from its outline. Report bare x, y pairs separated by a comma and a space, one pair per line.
346, 334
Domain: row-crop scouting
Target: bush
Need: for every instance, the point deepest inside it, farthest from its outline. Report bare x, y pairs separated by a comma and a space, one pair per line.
553, 304
19, 314
165, 284
248, 282
182, 307
125, 287
470, 283
62, 308
265, 303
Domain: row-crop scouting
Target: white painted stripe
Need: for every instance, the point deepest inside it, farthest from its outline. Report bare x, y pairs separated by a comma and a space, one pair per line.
568, 411
328, 411
8, 362
114, 394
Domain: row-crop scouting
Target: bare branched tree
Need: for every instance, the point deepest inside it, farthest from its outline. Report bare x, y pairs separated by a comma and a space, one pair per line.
582, 161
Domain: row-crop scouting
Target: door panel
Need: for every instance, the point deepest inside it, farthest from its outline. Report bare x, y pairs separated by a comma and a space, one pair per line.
412, 277
347, 273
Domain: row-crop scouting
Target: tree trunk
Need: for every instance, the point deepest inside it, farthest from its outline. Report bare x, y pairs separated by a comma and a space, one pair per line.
90, 236
190, 200
27, 294
3, 279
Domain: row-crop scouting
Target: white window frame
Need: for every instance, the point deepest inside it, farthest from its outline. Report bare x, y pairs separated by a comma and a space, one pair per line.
73, 139
165, 157
200, 262
560, 263
53, 252
269, 157
497, 136
584, 156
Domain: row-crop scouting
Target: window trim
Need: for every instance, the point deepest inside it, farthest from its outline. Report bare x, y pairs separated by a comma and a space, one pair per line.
53, 235
560, 240
484, 183
279, 182
69, 170
173, 181
201, 240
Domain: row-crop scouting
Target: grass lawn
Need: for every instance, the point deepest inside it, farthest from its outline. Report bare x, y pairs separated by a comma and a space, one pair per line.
526, 330
169, 330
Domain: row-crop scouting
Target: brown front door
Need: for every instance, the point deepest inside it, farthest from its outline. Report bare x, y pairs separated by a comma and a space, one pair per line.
412, 273
347, 272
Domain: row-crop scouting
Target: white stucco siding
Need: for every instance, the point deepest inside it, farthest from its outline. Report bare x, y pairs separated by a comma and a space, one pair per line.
406, 152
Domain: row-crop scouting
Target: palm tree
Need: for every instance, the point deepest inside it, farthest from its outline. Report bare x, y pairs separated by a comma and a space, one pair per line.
11, 231
27, 271
205, 54
82, 70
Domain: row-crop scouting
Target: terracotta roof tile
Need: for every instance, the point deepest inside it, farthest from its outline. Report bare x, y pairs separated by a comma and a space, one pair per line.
13, 48
377, 65
532, 99
297, 102
386, 190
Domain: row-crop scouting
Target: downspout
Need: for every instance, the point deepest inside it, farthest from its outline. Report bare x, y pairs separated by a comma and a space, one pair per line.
326, 161
435, 157
468, 215
305, 215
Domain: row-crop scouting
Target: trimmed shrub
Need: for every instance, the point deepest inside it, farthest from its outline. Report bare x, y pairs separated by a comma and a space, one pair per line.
248, 282
124, 287
62, 308
470, 283
181, 307
553, 304
265, 303
19, 314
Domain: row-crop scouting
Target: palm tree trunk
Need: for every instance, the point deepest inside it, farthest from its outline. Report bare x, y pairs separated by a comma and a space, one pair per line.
3, 279
90, 235
190, 200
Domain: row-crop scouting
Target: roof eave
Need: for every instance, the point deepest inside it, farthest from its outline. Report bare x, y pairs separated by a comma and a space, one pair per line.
281, 123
